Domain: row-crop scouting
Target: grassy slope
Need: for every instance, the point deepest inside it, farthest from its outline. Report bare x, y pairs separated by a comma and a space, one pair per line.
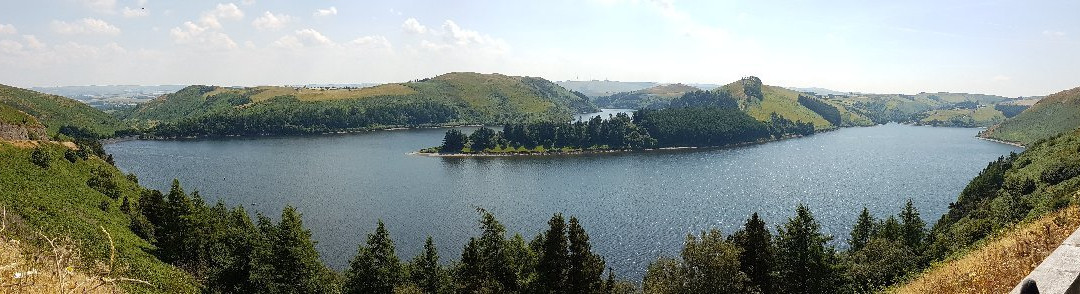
785, 102
998, 265
12, 116
56, 111
480, 98
984, 116
57, 202
1054, 114
654, 97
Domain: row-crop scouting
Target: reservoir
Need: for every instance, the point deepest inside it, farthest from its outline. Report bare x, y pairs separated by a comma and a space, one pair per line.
635, 206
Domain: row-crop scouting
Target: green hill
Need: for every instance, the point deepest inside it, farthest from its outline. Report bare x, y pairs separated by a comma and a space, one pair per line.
1052, 115
937, 109
453, 98
57, 201
56, 111
649, 98
761, 101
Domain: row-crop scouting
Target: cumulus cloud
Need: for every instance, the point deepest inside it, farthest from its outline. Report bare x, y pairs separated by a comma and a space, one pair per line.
129, 12
8, 29
270, 21
202, 37
32, 42
325, 12
206, 33
411, 25
371, 42
10, 47
85, 26
304, 38
222, 11
102, 6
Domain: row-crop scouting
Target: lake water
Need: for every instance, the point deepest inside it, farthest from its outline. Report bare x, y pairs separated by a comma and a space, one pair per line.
635, 206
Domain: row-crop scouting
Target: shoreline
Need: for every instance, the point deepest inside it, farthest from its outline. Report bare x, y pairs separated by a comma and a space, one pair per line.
1010, 143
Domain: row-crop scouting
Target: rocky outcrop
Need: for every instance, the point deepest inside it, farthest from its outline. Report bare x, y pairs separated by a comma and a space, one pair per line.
12, 132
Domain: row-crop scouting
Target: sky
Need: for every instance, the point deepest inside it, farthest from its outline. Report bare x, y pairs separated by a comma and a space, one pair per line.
1010, 48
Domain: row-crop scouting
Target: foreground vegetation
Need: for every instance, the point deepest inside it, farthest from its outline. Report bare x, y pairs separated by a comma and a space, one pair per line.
999, 263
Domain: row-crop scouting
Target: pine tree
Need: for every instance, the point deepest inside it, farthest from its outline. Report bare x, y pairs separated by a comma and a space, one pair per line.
758, 255
805, 263
890, 230
862, 231
585, 271
376, 268
711, 265
453, 141
296, 265
552, 266
426, 272
913, 228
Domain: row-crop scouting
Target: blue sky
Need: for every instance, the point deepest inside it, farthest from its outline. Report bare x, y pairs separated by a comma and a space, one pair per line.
1012, 48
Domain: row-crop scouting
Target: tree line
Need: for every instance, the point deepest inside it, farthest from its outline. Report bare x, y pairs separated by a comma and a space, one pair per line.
826, 110
649, 128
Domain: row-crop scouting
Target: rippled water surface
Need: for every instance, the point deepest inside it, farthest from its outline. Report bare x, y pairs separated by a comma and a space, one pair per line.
635, 206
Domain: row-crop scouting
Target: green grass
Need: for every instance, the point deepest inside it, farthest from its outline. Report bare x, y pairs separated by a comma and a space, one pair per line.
984, 116
57, 202
786, 103
12, 116
652, 98
1052, 115
55, 111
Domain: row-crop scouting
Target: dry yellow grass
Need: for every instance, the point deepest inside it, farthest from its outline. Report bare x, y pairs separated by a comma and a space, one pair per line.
999, 265
25, 269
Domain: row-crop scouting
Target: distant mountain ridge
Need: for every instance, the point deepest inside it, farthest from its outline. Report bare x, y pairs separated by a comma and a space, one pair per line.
655, 97
453, 98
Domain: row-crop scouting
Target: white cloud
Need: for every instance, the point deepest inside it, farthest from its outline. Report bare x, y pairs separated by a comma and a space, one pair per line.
10, 47
270, 21
6, 29
103, 6
85, 26
304, 38
133, 13
465, 37
222, 11
1001, 78
371, 42
247, 2
1053, 34
411, 25
203, 37
325, 12
33, 42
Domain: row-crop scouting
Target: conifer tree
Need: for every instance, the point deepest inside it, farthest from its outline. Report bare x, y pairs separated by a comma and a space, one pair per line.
862, 231
913, 228
585, 271
376, 268
805, 262
426, 272
552, 266
758, 255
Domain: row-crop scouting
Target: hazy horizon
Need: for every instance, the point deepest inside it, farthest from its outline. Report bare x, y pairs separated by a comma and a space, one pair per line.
1006, 48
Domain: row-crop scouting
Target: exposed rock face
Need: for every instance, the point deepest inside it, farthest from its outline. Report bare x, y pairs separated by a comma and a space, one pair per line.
13, 132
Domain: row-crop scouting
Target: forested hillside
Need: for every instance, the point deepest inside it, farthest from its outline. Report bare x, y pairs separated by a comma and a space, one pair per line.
1052, 115
762, 101
56, 112
650, 98
454, 98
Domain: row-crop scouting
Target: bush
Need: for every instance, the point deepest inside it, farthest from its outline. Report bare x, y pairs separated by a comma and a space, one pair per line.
40, 157
102, 181
1060, 172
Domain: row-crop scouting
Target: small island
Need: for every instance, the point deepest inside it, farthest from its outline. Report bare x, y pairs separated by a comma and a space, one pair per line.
671, 128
